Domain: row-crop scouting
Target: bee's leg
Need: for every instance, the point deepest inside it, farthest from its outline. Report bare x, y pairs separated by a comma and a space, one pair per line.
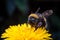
47, 26
39, 24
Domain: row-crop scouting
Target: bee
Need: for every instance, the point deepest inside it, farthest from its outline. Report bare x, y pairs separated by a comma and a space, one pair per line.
39, 19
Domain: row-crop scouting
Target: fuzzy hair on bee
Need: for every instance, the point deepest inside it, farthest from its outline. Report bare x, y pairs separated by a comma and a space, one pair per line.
39, 20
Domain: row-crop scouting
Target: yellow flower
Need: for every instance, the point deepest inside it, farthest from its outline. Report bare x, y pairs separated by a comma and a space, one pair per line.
25, 32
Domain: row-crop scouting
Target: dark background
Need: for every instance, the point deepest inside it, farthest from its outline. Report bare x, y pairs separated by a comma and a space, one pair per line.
18, 17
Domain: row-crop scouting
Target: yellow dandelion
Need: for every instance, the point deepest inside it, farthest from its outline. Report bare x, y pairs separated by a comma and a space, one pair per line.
25, 32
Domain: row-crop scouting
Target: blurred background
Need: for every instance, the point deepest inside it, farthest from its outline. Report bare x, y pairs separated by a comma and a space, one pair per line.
13, 12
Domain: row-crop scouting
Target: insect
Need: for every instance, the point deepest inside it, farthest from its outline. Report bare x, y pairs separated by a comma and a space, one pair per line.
39, 19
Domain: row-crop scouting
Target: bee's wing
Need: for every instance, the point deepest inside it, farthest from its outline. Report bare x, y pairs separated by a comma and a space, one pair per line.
47, 13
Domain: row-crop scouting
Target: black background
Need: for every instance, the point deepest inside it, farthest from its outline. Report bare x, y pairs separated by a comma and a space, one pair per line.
33, 5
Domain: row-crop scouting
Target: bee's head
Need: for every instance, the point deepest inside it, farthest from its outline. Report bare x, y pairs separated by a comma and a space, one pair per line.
33, 19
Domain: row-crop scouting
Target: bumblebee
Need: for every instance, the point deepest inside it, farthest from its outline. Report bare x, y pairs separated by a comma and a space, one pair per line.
39, 19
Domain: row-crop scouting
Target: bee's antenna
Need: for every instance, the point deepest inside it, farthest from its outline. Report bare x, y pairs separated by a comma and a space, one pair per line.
37, 10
